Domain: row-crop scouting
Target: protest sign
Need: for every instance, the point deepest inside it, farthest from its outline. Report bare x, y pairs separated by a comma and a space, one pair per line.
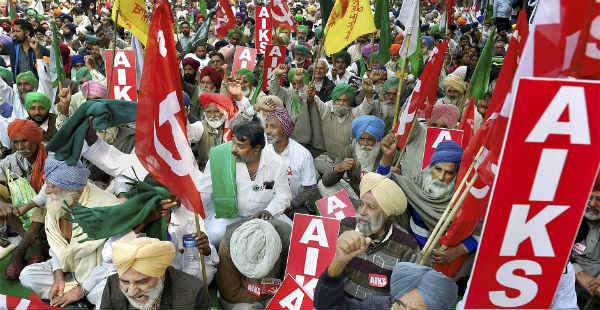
274, 56
263, 30
337, 206
435, 136
124, 76
290, 296
245, 58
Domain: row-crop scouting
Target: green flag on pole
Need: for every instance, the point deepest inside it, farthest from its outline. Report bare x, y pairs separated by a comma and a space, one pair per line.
382, 22
326, 7
416, 59
202, 8
481, 75
202, 33
56, 66
10, 8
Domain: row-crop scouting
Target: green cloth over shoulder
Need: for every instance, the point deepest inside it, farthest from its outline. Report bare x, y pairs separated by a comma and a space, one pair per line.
68, 141
222, 174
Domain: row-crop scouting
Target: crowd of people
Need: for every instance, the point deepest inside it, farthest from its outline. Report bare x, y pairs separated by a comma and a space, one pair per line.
95, 229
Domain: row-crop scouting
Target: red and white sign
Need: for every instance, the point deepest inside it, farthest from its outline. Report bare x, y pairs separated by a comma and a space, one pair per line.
263, 31
338, 206
290, 296
124, 75
546, 172
225, 19
274, 56
435, 136
312, 247
245, 58
281, 15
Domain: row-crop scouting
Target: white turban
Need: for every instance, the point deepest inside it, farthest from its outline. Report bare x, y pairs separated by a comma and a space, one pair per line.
255, 247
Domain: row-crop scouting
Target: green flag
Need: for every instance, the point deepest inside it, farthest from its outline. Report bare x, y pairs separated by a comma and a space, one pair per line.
56, 66
416, 59
10, 9
202, 8
481, 75
202, 33
382, 22
326, 7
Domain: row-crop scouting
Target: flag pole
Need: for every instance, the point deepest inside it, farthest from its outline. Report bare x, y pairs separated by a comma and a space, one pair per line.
112, 65
204, 278
412, 125
372, 52
317, 57
401, 79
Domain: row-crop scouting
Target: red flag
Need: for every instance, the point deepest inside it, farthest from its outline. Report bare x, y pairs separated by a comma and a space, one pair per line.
225, 19
406, 119
429, 80
586, 60
161, 142
451, 4
467, 124
281, 15
33, 302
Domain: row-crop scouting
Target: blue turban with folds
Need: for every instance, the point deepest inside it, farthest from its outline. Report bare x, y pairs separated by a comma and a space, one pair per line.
437, 290
67, 177
369, 123
77, 59
447, 152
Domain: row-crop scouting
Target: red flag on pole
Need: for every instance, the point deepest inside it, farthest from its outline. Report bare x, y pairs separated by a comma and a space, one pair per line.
281, 15
467, 124
225, 19
161, 142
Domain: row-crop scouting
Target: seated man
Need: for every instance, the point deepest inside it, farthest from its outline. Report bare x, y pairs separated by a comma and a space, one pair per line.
252, 252
65, 278
361, 157
144, 279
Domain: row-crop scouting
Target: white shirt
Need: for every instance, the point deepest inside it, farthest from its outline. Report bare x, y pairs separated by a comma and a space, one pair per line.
344, 79
300, 166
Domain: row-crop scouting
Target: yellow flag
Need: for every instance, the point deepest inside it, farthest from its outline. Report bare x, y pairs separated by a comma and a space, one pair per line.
133, 17
349, 20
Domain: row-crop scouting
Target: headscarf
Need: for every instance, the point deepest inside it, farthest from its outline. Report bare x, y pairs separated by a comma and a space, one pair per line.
299, 48
7, 76
148, 256
387, 193
462, 21
214, 75
454, 82
596, 185
343, 88
30, 131
299, 18
38, 97
284, 118
344, 55
189, 61
29, 77
67, 177
399, 39
428, 41
395, 49
233, 31
77, 59
368, 49
369, 123
94, 88
247, 74
303, 28
81, 73
65, 53
292, 74
93, 39
255, 247
447, 152
393, 82
71, 27
437, 290
447, 113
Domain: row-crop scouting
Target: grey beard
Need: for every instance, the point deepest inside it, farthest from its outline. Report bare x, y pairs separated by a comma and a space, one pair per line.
372, 227
215, 123
435, 188
367, 156
273, 139
153, 294
455, 102
590, 216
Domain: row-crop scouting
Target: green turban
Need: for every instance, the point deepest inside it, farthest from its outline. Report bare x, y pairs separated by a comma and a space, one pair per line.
29, 77
247, 74
434, 29
341, 89
393, 82
91, 38
7, 76
81, 73
292, 74
299, 48
302, 27
299, 18
234, 31
40, 98
31, 12
344, 55
41, 17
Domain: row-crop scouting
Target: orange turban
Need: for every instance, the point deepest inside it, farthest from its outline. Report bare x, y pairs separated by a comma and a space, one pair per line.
462, 20
395, 49
30, 131
399, 38
223, 102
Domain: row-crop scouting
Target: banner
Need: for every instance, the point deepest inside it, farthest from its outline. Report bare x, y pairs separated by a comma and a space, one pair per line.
263, 31
435, 136
539, 195
225, 19
312, 247
245, 58
290, 296
281, 15
124, 75
274, 56
337, 206
133, 16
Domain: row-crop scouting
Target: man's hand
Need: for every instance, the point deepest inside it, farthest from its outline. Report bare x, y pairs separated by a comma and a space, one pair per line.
166, 205
7, 210
73, 295
281, 69
367, 85
235, 89
349, 245
35, 46
203, 243
91, 136
346, 165
312, 92
58, 286
267, 106
589, 283
445, 255
388, 149
263, 215
65, 101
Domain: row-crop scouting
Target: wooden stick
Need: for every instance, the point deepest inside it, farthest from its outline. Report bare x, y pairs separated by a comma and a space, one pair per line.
401, 79
370, 67
317, 57
204, 278
397, 165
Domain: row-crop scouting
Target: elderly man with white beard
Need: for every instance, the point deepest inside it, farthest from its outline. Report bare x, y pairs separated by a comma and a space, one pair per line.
454, 87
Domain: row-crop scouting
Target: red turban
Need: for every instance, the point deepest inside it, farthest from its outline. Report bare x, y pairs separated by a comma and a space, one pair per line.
395, 49
30, 131
223, 102
66, 58
215, 76
189, 61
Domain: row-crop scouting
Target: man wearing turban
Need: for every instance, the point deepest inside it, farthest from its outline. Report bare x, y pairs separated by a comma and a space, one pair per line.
454, 87
379, 240
190, 69
38, 108
235, 36
145, 279
392, 65
210, 82
74, 271
251, 251
302, 56
247, 82
301, 169
355, 50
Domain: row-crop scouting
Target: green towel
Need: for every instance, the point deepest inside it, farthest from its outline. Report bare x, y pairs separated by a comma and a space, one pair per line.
296, 106
222, 174
105, 222
68, 141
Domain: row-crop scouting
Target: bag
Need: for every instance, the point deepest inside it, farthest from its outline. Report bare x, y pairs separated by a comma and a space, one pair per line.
21, 193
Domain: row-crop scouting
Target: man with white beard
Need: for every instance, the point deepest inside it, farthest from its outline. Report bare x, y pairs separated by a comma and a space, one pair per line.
385, 107
361, 156
454, 87
145, 280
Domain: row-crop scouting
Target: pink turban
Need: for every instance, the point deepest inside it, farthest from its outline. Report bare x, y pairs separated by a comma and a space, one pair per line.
94, 88
447, 113
284, 118
227, 52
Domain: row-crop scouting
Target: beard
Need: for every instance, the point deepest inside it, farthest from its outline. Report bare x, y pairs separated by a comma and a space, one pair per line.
448, 100
247, 92
215, 123
341, 111
388, 108
591, 213
273, 139
153, 294
62, 198
435, 188
373, 225
367, 155
189, 78
247, 158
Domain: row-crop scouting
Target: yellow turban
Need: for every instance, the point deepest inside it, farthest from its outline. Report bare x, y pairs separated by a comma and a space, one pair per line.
454, 82
146, 255
387, 193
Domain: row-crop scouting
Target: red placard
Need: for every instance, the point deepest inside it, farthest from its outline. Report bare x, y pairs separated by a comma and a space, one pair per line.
263, 31
290, 296
274, 55
337, 206
312, 247
435, 136
124, 77
245, 57
546, 172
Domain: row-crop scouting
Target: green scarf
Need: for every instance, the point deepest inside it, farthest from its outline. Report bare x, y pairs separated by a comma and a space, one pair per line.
222, 174
68, 141
296, 107
363, 67
105, 222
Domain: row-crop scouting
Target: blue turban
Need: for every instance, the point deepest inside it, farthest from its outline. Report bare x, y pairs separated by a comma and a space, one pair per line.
447, 152
424, 27
428, 41
369, 123
67, 177
71, 27
77, 59
437, 290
